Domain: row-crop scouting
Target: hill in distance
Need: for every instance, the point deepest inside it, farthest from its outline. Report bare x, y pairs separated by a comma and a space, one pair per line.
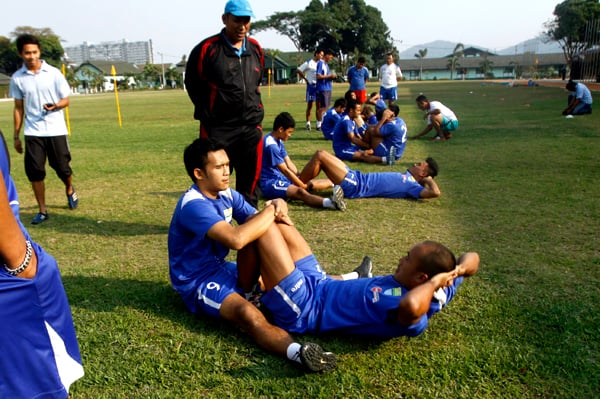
442, 48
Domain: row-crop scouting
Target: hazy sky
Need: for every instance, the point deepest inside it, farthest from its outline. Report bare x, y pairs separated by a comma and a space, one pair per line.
175, 26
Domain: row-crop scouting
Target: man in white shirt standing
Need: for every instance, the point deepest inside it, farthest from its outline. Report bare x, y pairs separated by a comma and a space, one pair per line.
390, 74
308, 72
41, 92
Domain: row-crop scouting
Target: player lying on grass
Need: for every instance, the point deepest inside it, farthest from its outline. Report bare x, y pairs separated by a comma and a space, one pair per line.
417, 182
303, 299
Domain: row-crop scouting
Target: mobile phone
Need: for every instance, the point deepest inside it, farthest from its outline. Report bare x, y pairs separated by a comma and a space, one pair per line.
49, 105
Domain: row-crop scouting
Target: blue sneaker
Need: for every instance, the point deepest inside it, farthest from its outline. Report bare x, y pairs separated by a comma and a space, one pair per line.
40, 217
391, 158
73, 200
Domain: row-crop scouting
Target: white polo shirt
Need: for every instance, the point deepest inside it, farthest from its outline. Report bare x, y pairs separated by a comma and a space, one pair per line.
48, 85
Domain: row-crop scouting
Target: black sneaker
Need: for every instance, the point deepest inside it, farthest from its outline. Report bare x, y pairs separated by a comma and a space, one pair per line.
365, 269
314, 358
40, 217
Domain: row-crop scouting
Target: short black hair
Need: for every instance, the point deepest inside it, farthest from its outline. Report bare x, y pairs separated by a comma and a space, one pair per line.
340, 102
421, 99
284, 120
24, 39
571, 86
439, 259
433, 167
361, 60
195, 155
352, 104
395, 108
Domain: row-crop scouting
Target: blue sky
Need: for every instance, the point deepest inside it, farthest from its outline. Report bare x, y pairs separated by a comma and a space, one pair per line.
175, 26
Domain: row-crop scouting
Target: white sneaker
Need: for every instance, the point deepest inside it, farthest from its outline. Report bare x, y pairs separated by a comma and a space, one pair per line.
308, 126
338, 198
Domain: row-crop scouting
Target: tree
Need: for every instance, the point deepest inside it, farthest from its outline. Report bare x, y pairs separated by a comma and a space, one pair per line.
345, 26
9, 58
151, 74
486, 67
568, 27
420, 55
453, 63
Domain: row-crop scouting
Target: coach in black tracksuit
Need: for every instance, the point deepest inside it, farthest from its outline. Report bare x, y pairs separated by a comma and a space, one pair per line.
222, 78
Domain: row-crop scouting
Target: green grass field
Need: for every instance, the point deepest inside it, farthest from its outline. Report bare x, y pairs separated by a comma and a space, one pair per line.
519, 185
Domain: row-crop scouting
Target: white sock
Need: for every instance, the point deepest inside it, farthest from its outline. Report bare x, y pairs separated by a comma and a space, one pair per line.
328, 203
293, 352
318, 123
350, 276
383, 159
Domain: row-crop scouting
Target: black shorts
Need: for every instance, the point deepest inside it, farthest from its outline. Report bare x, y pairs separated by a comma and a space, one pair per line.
55, 149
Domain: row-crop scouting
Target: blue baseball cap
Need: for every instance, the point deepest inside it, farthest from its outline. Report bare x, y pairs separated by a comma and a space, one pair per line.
239, 8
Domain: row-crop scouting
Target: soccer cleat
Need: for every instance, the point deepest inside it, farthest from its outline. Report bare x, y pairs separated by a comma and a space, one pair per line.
73, 200
391, 158
338, 198
438, 138
308, 126
314, 358
365, 269
40, 217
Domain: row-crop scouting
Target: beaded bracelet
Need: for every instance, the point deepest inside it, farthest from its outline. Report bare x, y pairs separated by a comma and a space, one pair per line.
22, 266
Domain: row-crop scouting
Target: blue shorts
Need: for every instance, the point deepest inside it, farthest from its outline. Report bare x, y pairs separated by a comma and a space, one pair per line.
381, 150
346, 153
448, 125
212, 291
276, 188
311, 93
351, 184
292, 300
324, 99
388, 94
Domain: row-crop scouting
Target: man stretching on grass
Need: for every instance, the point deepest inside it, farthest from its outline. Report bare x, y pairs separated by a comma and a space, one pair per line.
200, 237
417, 182
303, 299
279, 175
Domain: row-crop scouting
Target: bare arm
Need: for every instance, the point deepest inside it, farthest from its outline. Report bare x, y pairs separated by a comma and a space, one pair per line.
418, 300
18, 116
431, 188
237, 237
290, 174
12, 240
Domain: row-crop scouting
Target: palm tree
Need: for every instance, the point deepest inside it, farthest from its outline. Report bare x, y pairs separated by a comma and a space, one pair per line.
420, 55
458, 52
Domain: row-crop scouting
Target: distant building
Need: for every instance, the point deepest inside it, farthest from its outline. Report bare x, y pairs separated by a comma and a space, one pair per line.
138, 53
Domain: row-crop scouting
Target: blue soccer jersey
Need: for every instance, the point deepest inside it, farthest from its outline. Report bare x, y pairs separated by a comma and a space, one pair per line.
273, 183
193, 257
342, 146
380, 184
308, 303
330, 120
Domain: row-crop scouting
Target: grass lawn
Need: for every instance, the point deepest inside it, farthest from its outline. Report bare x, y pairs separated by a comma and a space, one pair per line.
519, 185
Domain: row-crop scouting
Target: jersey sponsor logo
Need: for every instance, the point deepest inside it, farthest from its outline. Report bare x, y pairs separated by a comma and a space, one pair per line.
297, 286
228, 214
397, 291
376, 291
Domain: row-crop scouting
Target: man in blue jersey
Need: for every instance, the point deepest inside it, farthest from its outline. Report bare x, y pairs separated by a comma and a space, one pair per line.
303, 299
417, 182
324, 85
388, 135
40, 354
348, 142
332, 117
279, 175
201, 235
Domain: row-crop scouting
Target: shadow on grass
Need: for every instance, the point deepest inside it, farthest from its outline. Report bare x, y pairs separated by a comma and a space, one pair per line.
85, 225
105, 295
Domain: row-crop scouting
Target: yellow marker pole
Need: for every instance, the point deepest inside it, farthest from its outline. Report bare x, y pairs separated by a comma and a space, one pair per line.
269, 82
113, 72
64, 72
